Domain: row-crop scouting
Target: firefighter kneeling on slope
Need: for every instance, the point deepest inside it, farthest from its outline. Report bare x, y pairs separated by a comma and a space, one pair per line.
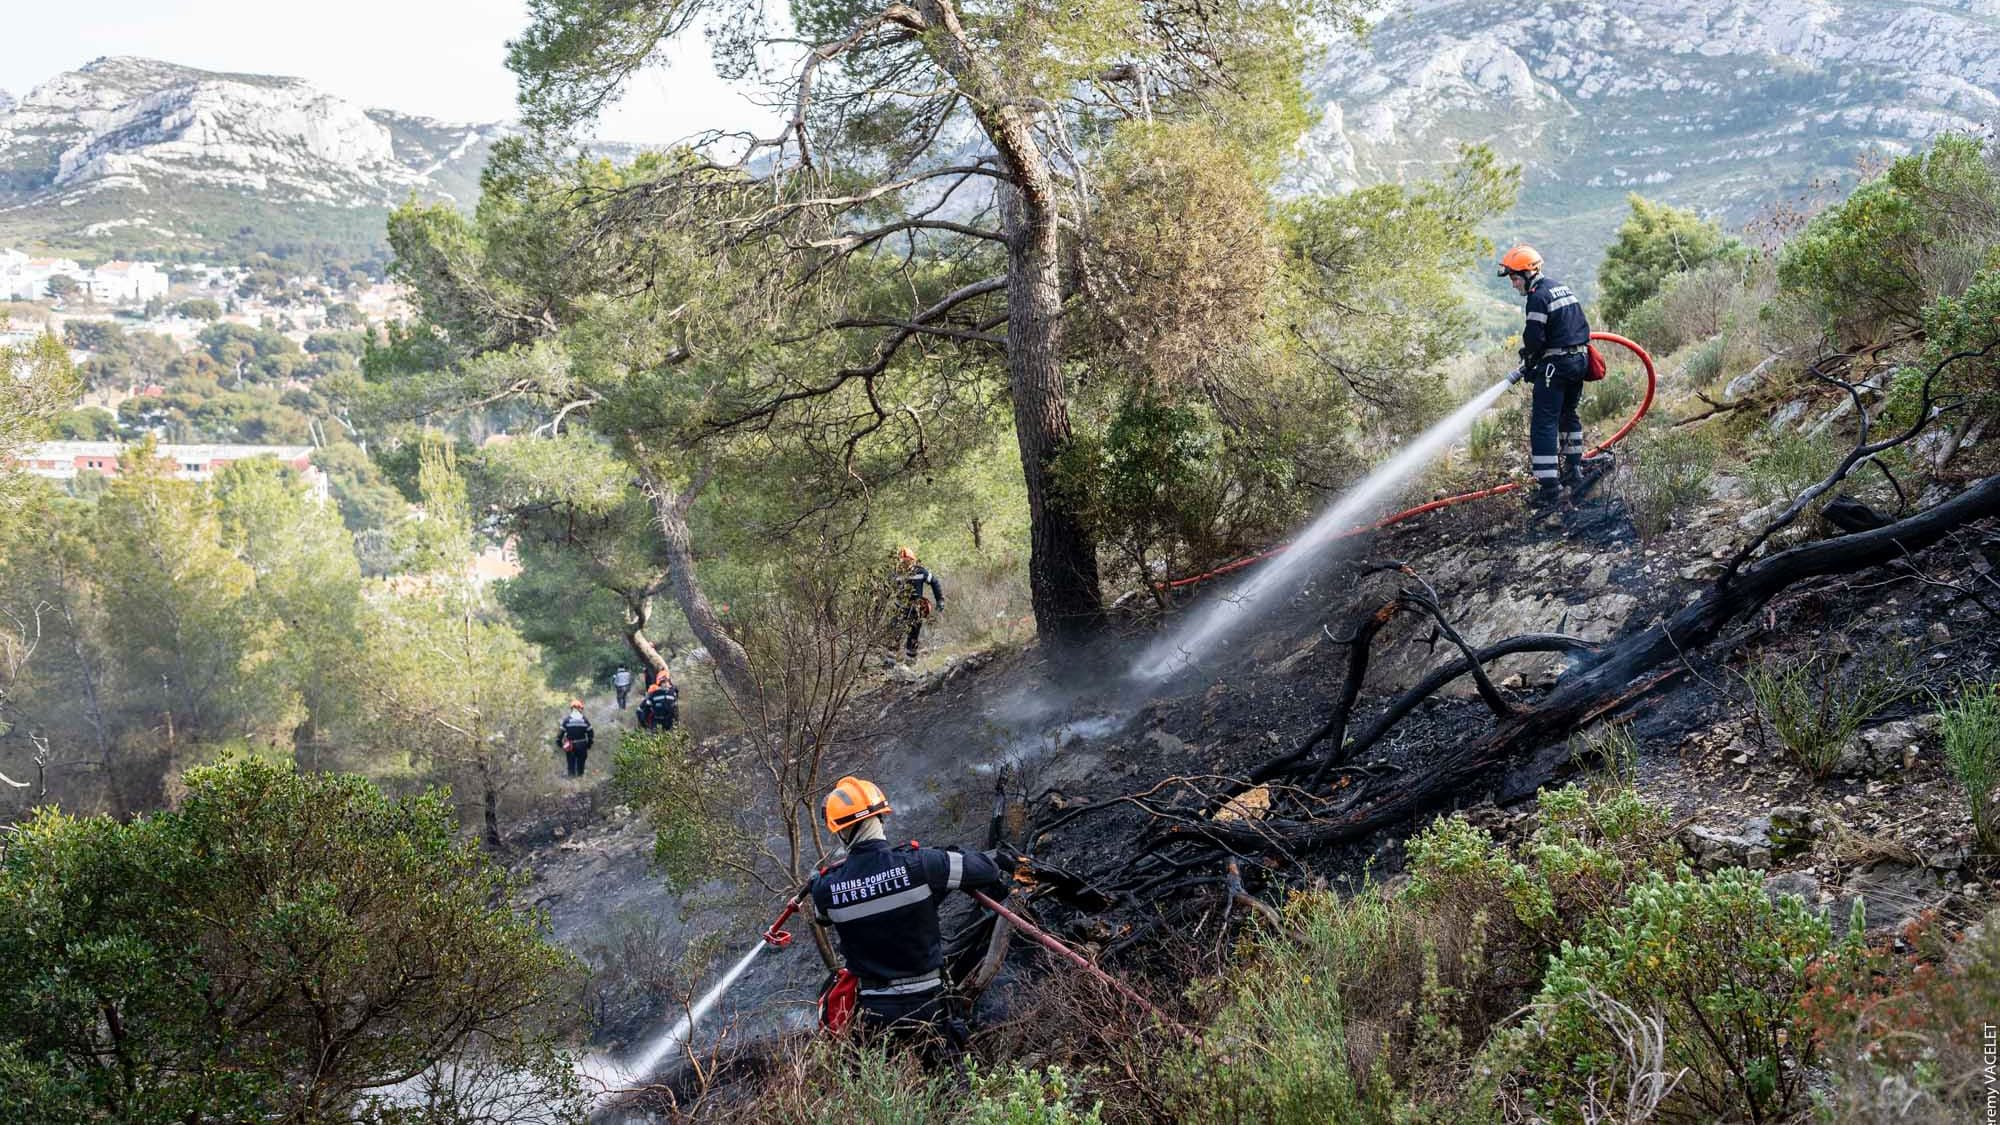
1555, 359
882, 902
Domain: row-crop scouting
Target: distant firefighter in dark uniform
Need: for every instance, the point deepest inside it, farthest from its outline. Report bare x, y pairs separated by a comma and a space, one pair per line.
911, 578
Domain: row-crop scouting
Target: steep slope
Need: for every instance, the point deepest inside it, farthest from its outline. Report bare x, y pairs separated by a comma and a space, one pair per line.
127, 153
1719, 105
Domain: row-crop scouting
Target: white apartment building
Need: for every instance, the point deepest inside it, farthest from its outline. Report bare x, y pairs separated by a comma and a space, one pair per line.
23, 278
135, 283
28, 279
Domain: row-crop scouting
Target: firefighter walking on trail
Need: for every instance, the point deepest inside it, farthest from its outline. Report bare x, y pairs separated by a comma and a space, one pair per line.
1555, 359
573, 737
882, 903
911, 578
621, 682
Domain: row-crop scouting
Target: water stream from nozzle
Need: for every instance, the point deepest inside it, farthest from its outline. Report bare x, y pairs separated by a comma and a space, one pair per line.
613, 1076
1280, 577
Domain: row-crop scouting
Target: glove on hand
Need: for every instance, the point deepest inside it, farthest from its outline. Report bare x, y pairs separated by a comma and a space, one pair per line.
1516, 375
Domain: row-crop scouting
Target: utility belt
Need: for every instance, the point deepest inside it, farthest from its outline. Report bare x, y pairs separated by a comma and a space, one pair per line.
903, 986
1579, 349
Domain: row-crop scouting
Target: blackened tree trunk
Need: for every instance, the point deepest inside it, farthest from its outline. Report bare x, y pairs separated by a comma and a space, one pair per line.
1062, 560
639, 611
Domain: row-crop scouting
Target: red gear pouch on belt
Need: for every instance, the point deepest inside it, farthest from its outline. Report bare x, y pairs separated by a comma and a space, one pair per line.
1596, 369
837, 1003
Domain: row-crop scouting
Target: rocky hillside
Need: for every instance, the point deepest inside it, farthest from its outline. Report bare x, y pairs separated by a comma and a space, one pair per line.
1719, 105
127, 153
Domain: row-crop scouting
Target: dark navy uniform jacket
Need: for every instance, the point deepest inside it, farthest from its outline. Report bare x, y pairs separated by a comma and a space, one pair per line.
658, 704
883, 902
576, 731
914, 580
1555, 320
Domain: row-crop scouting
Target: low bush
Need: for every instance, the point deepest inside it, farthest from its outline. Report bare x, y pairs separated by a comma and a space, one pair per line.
1684, 994
1614, 398
1901, 1024
684, 796
1349, 1012
1814, 708
1376, 1007
860, 1084
1668, 470
1970, 724
1784, 463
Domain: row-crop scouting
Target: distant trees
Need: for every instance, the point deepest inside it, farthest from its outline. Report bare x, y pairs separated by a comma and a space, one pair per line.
1655, 242
199, 308
280, 946
62, 287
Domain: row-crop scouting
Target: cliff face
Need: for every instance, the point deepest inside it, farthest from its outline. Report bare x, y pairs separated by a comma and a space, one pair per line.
133, 150
1719, 105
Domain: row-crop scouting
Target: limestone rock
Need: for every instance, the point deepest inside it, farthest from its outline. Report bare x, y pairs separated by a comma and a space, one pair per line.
1881, 751
1712, 849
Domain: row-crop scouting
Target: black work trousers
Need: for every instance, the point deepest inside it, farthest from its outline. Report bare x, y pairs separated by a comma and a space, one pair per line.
573, 760
1555, 430
924, 1020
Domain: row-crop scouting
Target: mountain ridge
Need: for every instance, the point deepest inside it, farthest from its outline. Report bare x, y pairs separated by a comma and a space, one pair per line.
132, 152
1722, 106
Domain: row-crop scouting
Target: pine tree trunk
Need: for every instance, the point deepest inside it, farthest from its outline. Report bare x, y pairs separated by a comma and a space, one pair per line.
1062, 561
732, 664
637, 613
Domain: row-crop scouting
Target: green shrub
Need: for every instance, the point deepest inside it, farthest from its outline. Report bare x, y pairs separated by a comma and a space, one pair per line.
1901, 1024
1815, 709
684, 796
1971, 727
871, 1084
1714, 968
1333, 1018
275, 948
1656, 242
1918, 232
1668, 469
1584, 852
1613, 398
1783, 463
1703, 364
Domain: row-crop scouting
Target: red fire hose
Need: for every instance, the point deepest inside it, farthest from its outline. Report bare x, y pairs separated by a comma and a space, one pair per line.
1041, 938
1652, 382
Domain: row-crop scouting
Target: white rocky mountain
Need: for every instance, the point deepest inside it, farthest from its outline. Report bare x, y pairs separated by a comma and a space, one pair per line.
1721, 105
130, 151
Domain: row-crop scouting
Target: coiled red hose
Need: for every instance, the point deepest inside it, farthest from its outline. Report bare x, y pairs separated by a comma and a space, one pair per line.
1645, 404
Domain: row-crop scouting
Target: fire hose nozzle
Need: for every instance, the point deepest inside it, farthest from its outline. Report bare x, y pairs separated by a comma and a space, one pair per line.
778, 938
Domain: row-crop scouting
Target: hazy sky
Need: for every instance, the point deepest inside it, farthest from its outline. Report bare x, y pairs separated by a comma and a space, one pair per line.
442, 58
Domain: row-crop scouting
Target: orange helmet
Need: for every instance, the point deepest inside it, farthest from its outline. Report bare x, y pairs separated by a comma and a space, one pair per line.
905, 555
577, 704
665, 677
853, 801
1521, 259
